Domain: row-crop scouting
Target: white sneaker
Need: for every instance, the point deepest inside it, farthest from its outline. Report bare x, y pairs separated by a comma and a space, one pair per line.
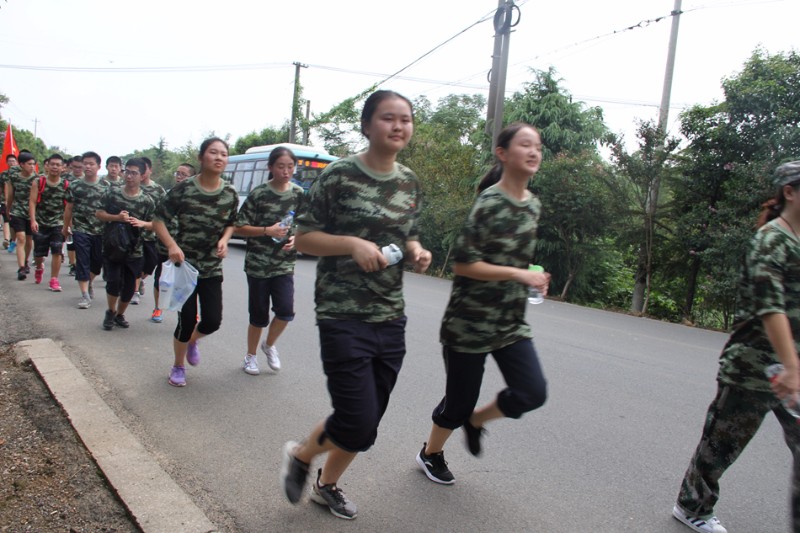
703, 525
85, 302
272, 356
250, 365
135, 299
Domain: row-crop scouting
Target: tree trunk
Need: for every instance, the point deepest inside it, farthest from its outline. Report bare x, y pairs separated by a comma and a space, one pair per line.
691, 288
639, 281
446, 259
570, 278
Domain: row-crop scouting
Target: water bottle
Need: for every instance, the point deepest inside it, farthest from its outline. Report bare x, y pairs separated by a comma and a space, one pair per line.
534, 295
286, 222
392, 253
69, 236
792, 405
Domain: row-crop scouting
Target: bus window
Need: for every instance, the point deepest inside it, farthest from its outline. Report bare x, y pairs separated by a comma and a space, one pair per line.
260, 175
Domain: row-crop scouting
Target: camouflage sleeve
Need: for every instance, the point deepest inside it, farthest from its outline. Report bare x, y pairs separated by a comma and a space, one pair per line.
467, 244
70, 197
246, 215
315, 216
234, 204
767, 264
168, 206
413, 233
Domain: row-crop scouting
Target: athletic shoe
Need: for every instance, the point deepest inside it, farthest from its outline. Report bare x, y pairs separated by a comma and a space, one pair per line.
177, 376
120, 321
5, 244
294, 473
156, 316
703, 525
141, 288
38, 274
271, 352
12, 247
108, 321
27, 268
72, 270
55, 286
193, 354
135, 299
472, 438
91, 291
334, 498
85, 302
250, 365
435, 467
21, 275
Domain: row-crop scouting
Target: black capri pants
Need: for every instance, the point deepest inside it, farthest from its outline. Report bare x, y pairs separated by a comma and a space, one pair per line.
88, 255
121, 277
526, 387
209, 293
361, 361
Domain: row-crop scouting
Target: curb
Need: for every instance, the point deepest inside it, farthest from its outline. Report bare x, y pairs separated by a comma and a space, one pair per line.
152, 497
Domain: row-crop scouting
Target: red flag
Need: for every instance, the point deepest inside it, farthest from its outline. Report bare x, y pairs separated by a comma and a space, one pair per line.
9, 148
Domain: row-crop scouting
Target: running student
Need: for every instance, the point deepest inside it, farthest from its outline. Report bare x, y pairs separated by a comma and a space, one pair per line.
126, 205
183, 173
18, 189
358, 205
766, 331
77, 172
195, 222
156, 192
486, 311
84, 198
270, 265
48, 195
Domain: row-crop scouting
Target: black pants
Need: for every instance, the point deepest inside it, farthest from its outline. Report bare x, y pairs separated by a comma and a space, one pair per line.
121, 277
209, 292
526, 390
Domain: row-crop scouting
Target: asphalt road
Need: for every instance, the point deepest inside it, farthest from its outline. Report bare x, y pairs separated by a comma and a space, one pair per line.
606, 453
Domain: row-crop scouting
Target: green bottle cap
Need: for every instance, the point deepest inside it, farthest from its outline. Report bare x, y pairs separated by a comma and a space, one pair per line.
536, 268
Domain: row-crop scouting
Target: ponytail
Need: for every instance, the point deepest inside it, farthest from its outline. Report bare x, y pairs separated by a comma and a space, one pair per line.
491, 177
770, 210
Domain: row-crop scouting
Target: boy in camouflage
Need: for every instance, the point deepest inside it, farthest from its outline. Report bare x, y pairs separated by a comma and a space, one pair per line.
269, 264
203, 211
156, 192
356, 206
11, 162
125, 205
114, 171
766, 331
486, 311
18, 189
46, 210
84, 198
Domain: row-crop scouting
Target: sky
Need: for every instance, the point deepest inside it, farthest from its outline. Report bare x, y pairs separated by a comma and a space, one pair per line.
114, 76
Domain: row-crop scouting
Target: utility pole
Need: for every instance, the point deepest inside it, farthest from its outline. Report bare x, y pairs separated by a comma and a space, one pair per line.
308, 117
295, 99
497, 80
35, 125
642, 280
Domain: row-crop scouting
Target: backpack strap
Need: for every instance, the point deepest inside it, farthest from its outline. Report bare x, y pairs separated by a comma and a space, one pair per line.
42, 181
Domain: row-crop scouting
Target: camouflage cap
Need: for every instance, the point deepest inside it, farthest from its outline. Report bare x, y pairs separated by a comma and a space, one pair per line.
787, 173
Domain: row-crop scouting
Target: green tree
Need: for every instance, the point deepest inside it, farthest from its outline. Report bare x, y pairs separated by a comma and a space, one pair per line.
269, 135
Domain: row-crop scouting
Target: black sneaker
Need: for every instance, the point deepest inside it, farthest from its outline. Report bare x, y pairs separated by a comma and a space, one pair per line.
27, 269
120, 321
294, 473
435, 467
472, 438
72, 270
334, 498
21, 274
108, 321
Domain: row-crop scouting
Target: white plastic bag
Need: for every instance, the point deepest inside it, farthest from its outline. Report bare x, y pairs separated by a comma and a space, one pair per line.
176, 284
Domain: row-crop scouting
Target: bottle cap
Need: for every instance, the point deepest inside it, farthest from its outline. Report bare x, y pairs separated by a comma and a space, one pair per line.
536, 268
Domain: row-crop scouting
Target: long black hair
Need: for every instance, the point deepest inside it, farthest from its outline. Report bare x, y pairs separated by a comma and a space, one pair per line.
372, 103
503, 141
275, 155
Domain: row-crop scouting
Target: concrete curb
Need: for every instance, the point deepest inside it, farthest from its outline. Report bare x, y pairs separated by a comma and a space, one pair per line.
156, 502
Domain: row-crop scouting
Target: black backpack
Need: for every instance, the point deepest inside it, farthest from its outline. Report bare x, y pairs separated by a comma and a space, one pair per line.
119, 241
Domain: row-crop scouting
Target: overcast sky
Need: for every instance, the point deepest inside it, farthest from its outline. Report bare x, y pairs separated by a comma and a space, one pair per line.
348, 45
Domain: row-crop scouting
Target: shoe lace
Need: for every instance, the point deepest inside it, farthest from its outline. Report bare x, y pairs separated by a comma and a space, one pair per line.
337, 494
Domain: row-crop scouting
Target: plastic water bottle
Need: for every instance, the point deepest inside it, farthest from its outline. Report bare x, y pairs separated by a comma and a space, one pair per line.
286, 222
792, 405
392, 253
534, 295
69, 237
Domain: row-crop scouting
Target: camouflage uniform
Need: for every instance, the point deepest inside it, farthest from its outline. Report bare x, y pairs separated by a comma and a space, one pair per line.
200, 219
50, 209
86, 198
156, 193
22, 190
140, 206
348, 199
265, 206
483, 316
769, 283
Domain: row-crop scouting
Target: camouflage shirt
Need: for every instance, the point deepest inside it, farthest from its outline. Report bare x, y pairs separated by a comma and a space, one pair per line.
86, 198
769, 283
265, 206
156, 192
349, 199
482, 316
197, 219
115, 200
22, 193
50, 209
4, 177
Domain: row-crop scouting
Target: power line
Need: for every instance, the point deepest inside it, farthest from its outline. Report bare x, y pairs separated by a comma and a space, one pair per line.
168, 69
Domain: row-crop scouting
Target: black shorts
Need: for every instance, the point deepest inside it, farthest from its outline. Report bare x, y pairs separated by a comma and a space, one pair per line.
150, 255
279, 289
88, 255
49, 238
20, 225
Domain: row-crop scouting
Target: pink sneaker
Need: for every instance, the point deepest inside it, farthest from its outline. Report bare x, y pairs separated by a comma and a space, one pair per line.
38, 274
55, 286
